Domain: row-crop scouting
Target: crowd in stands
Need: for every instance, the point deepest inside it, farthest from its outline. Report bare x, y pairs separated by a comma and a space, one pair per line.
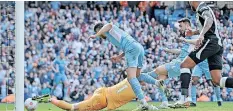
52, 28
7, 46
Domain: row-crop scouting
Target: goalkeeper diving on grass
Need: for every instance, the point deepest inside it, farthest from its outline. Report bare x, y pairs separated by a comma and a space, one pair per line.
105, 97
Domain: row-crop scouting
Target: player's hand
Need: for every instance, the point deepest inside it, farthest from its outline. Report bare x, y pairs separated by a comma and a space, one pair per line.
188, 33
116, 59
199, 41
93, 36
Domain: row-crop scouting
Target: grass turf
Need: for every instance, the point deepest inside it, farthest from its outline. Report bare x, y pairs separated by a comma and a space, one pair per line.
201, 106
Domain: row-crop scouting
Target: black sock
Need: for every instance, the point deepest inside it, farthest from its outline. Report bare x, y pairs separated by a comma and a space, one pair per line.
185, 78
229, 82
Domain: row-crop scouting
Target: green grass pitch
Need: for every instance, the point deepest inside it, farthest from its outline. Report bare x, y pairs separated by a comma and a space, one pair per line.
201, 106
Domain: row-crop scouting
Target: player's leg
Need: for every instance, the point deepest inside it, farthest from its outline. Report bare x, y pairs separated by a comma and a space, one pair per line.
133, 81
195, 80
66, 85
97, 102
164, 97
215, 65
185, 77
224, 81
217, 92
132, 56
161, 90
164, 104
206, 50
144, 76
160, 73
205, 69
197, 72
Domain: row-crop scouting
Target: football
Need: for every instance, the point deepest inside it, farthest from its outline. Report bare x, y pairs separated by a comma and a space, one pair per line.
30, 105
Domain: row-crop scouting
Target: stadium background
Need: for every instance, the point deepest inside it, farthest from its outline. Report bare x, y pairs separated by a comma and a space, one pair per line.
51, 27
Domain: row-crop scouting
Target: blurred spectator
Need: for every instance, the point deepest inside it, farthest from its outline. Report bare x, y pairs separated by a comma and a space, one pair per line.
225, 14
45, 89
230, 55
226, 11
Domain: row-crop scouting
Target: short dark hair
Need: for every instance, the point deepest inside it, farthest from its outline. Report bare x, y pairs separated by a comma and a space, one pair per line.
98, 26
185, 20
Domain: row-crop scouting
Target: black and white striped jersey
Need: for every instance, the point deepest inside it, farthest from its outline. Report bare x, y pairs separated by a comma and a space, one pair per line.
201, 20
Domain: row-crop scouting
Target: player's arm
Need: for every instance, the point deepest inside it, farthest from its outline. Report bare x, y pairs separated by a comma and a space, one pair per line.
104, 29
174, 51
208, 22
190, 41
191, 33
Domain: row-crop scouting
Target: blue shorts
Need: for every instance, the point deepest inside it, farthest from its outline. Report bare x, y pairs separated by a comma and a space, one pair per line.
202, 68
173, 68
59, 78
134, 55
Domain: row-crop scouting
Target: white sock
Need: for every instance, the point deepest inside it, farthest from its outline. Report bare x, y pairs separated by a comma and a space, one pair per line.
223, 82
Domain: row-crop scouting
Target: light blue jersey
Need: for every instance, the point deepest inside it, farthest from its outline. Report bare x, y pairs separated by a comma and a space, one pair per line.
186, 49
133, 50
173, 67
119, 38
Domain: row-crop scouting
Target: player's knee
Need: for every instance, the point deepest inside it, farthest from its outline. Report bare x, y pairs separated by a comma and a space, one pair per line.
184, 65
187, 64
162, 77
195, 80
216, 82
138, 72
159, 71
131, 72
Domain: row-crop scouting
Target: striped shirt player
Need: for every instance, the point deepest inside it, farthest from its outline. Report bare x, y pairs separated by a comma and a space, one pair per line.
211, 47
208, 46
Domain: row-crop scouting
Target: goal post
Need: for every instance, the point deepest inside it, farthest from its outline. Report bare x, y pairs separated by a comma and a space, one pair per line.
19, 56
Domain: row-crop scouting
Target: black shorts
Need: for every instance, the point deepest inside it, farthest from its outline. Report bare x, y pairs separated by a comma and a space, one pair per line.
210, 50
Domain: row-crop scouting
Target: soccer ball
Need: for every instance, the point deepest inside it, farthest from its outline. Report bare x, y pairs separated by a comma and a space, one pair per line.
30, 105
